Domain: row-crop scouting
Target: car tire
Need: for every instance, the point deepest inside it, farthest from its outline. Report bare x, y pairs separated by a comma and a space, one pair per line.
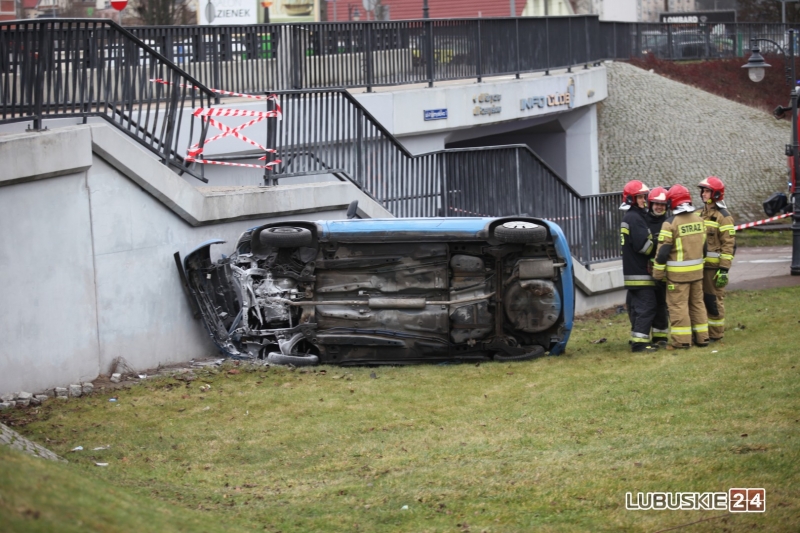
536, 351
520, 231
276, 358
285, 237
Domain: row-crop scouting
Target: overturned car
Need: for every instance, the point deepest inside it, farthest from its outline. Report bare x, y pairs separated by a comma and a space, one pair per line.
391, 291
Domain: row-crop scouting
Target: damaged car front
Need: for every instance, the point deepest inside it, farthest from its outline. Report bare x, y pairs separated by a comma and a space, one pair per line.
393, 291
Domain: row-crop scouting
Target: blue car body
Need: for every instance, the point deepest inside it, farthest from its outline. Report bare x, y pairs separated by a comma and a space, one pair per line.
388, 291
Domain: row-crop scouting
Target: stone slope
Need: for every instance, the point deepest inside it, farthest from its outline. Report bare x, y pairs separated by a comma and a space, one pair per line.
664, 132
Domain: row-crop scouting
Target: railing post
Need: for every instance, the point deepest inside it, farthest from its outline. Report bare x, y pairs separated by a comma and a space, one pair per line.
586, 36
445, 197
479, 63
569, 43
368, 55
298, 59
172, 111
359, 148
669, 41
547, 45
586, 241
429, 50
38, 89
516, 40
519, 181
272, 129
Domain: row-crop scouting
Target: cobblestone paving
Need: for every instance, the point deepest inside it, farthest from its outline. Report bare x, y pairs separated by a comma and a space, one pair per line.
664, 132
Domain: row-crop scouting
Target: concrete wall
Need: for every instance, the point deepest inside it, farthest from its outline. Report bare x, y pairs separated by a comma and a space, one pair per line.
86, 266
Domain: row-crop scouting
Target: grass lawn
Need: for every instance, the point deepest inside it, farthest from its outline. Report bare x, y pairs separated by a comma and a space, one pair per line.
548, 445
754, 238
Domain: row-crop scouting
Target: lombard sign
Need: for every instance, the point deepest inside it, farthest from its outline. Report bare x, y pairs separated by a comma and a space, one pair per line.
221, 12
435, 114
698, 17
566, 98
486, 104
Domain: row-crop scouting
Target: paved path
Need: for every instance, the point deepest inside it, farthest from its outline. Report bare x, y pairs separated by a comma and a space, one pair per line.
762, 268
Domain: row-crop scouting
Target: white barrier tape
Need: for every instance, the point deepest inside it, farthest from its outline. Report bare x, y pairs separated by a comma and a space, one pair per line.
759, 222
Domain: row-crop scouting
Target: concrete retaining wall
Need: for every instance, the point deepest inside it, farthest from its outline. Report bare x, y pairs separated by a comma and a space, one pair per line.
86, 266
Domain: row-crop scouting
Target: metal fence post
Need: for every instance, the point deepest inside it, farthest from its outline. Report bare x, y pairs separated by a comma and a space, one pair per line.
368, 55
429, 50
272, 129
569, 44
586, 36
516, 40
359, 148
547, 45
480, 52
586, 242
38, 89
669, 41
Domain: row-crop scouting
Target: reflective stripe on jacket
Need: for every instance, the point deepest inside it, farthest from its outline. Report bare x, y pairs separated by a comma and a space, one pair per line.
720, 236
681, 247
637, 246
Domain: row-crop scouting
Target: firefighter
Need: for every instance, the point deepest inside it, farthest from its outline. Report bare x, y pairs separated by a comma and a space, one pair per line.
637, 245
656, 214
679, 258
721, 245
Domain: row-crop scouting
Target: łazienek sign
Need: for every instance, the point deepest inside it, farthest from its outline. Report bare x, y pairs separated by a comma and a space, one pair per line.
221, 12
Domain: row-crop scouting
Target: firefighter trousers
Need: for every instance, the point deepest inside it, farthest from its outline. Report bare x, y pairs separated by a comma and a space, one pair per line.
641, 304
661, 320
714, 298
687, 313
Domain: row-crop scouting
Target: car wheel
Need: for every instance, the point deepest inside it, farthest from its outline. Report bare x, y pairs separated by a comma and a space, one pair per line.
536, 351
520, 231
285, 237
275, 358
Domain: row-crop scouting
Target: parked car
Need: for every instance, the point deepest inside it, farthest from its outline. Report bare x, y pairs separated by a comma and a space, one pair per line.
391, 291
685, 45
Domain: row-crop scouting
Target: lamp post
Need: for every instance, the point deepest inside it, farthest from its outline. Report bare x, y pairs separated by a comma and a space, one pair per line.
425, 11
755, 70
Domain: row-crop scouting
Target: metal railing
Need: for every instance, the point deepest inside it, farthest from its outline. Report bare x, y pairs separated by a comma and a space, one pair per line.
81, 68
622, 40
330, 132
368, 54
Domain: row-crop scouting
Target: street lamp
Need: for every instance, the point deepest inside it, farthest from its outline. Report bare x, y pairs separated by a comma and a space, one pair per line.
755, 70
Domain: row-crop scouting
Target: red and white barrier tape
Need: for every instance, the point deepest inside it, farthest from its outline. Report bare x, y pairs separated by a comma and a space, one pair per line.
196, 149
759, 222
206, 113
228, 164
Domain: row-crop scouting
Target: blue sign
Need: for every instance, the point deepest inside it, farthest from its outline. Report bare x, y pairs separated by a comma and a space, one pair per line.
435, 114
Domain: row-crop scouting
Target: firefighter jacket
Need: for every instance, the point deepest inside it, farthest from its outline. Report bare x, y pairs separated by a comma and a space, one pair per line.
654, 223
681, 248
720, 237
637, 246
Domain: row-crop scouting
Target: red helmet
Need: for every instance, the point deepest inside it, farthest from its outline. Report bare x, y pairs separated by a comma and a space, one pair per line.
658, 195
677, 195
633, 189
715, 185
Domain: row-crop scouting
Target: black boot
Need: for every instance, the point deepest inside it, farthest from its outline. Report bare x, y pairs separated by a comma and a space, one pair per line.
646, 347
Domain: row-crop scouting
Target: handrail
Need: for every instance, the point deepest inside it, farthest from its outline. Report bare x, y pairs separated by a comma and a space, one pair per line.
59, 68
